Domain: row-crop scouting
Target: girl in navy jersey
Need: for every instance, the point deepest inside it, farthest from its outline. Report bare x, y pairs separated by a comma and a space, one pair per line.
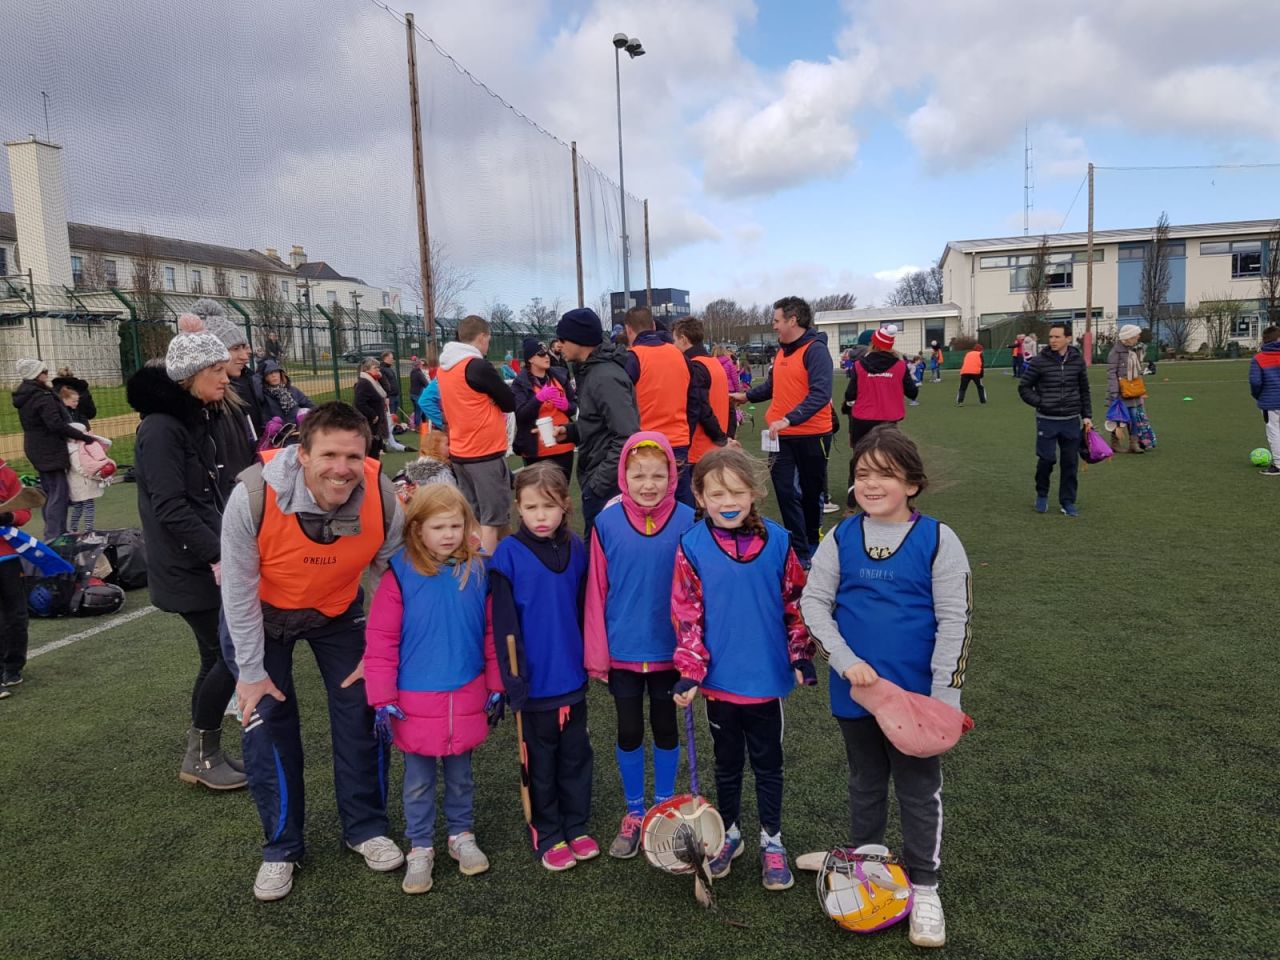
537, 579
741, 640
889, 595
630, 641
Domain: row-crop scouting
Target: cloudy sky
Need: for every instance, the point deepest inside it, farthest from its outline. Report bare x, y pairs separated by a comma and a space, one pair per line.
805, 146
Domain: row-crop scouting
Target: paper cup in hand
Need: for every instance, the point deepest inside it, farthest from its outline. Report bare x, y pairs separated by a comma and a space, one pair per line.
917, 725
546, 431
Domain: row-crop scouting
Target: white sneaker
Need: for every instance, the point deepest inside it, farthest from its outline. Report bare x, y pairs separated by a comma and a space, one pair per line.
417, 878
274, 880
396, 446
380, 854
830, 507
471, 859
928, 925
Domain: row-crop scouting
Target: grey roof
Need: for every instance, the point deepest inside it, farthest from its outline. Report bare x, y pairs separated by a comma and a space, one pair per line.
1134, 235
319, 270
865, 314
83, 236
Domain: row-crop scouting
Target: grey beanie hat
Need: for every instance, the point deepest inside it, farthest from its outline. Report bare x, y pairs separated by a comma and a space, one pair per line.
216, 322
193, 349
30, 369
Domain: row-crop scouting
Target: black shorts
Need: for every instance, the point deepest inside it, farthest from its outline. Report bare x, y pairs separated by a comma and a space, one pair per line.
632, 683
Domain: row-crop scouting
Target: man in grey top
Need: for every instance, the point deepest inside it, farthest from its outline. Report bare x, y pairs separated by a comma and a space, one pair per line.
298, 534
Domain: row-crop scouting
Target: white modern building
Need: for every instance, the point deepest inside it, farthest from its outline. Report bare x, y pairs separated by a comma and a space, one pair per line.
328, 288
987, 278
918, 326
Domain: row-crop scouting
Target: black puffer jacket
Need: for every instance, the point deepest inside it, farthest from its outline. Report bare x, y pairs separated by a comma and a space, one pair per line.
179, 498
1057, 386
607, 415
87, 409
46, 426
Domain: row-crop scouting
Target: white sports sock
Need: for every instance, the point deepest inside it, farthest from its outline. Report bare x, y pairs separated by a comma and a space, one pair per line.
766, 839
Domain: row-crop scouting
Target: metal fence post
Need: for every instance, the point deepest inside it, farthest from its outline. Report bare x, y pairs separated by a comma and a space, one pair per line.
333, 350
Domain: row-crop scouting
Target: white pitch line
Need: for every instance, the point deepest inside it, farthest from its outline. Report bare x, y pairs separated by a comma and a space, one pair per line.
93, 631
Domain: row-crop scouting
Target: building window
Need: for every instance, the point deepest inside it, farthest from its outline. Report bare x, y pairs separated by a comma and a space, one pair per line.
1209, 249
170, 278
244, 285
1081, 256
993, 263
1132, 253
1057, 276
77, 271
386, 299
4, 261
284, 289
1176, 249
108, 273
197, 281
1246, 260
333, 298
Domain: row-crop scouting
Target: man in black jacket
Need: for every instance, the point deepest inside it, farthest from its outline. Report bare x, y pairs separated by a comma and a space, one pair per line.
46, 428
1056, 383
607, 412
391, 383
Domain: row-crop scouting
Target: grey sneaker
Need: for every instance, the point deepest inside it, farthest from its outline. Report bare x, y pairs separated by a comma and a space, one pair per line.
471, 859
274, 880
381, 854
928, 925
417, 878
627, 843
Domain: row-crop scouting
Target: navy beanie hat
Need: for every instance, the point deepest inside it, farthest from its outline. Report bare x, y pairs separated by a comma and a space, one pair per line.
531, 346
581, 326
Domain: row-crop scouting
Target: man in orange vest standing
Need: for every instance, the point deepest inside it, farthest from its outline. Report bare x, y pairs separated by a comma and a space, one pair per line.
476, 402
709, 404
664, 391
799, 416
971, 370
298, 534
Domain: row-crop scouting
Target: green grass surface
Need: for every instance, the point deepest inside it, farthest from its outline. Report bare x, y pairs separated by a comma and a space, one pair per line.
1117, 799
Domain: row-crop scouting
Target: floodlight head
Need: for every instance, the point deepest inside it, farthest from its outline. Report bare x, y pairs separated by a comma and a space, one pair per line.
634, 48
619, 40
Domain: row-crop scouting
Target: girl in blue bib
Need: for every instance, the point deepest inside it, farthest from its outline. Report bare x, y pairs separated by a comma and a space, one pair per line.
630, 641
889, 595
537, 578
741, 640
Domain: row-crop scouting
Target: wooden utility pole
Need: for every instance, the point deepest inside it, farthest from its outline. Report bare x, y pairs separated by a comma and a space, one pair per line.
1088, 283
648, 267
577, 224
420, 187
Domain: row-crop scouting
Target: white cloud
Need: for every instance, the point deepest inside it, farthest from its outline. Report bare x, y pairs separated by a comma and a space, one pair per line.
895, 274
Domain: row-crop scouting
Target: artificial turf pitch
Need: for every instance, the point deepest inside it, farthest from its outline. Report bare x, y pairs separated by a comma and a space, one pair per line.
1118, 797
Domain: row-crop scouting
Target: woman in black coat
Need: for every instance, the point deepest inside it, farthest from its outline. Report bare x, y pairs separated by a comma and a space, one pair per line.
537, 375
180, 505
371, 401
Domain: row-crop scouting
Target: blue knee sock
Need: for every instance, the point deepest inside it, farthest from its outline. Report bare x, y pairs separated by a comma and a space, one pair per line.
666, 763
631, 766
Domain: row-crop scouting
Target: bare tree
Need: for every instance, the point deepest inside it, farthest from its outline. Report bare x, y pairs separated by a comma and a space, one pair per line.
93, 272
1036, 304
540, 316
1271, 276
500, 313
916, 288
1155, 278
221, 284
606, 308
153, 334
1219, 313
450, 282
721, 318
834, 301
1177, 329
271, 308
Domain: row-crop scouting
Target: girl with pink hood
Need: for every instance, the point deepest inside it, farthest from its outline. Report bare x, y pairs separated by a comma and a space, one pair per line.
629, 638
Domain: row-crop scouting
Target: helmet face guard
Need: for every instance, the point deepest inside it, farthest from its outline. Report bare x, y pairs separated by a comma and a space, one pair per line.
668, 827
864, 889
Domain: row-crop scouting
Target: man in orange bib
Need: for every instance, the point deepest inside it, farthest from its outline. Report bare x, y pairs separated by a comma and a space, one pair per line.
709, 405
799, 386
298, 534
665, 391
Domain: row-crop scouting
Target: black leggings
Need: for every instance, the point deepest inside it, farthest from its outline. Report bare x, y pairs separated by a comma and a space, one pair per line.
628, 688
214, 683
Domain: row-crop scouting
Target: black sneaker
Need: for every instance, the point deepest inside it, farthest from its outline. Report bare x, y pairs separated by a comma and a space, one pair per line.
1271, 471
11, 679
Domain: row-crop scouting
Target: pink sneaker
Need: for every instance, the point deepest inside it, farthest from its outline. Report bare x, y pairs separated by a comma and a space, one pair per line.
559, 857
584, 848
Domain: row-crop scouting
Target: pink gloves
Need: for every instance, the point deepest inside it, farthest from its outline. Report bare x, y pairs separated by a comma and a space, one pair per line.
553, 396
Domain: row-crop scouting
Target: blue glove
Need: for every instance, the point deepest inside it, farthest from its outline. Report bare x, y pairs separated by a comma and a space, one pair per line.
517, 692
494, 709
382, 721
809, 677
683, 685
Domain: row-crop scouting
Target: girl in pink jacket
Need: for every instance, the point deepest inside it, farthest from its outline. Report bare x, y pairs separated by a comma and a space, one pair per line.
430, 668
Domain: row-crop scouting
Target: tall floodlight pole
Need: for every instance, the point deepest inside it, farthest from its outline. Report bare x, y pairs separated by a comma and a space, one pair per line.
634, 49
419, 186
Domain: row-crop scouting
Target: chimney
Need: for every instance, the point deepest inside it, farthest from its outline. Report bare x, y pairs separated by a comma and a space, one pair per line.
272, 253
40, 209
297, 256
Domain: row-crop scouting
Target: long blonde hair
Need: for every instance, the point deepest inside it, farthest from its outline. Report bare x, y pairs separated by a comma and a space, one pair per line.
430, 501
